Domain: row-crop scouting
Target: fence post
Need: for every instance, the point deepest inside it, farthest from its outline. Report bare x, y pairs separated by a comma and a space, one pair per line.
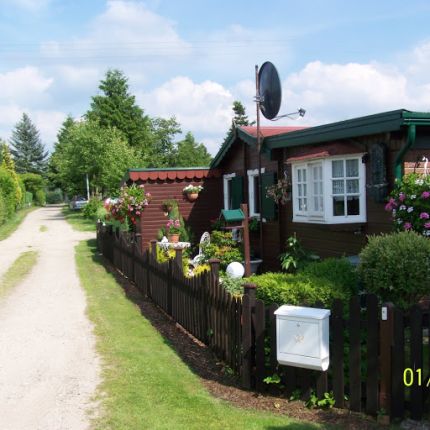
178, 258
213, 311
248, 305
154, 249
386, 339
214, 264
152, 258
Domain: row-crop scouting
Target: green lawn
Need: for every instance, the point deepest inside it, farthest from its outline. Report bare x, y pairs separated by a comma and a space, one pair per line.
13, 223
77, 221
145, 384
20, 268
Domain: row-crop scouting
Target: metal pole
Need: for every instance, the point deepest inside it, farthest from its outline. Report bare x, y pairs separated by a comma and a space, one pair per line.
259, 160
88, 187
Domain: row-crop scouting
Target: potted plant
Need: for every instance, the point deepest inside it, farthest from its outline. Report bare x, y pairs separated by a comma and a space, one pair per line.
192, 192
168, 205
280, 192
173, 229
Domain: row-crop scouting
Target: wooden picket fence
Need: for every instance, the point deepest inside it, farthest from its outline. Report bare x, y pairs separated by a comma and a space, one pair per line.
379, 355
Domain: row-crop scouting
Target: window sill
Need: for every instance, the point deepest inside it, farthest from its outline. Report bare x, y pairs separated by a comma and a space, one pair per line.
348, 226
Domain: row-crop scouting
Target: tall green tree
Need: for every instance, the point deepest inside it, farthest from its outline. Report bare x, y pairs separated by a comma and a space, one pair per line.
191, 153
102, 153
239, 119
116, 107
8, 164
26, 147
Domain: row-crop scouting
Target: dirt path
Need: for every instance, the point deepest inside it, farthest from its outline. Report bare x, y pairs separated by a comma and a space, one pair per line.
48, 365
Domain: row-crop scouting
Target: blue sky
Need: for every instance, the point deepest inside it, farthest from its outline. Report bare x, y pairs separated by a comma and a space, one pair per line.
192, 58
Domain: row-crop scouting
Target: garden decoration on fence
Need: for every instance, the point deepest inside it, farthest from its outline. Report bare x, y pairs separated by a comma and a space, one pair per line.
130, 205
409, 204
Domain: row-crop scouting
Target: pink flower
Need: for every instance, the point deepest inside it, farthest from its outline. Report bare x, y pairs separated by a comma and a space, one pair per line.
137, 213
402, 197
148, 194
407, 225
425, 194
424, 215
427, 225
141, 186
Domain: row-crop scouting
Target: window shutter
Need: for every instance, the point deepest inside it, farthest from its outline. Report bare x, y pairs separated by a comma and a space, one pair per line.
268, 204
236, 192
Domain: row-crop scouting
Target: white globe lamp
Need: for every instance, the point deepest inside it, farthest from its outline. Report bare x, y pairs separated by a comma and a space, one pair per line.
235, 270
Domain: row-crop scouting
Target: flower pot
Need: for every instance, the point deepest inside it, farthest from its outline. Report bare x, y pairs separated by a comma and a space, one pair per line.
192, 196
173, 238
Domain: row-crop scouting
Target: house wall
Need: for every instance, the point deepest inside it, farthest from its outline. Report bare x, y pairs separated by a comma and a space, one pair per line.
197, 214
240, 158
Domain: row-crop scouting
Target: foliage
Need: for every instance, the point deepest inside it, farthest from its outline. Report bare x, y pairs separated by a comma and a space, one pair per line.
337, 270
8, 190
28, 199
274, 379
164, 255
280, 192
190, 153
201, 268
216, 224
91, 209
240, 119
8, 164
27, 149
40, 198
396, 267
131, 203
99, 152
54, 196
297, 289
233, 285
172, 208
33, 182
3, 213
173, 226
409, 204
223, 247
296, 256
326, 402
116, 109
254, 224
193, 189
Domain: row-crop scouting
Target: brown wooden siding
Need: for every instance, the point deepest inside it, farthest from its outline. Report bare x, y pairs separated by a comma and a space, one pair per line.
198, 214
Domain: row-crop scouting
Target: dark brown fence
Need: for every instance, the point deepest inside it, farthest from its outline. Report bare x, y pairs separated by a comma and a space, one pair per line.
379, 355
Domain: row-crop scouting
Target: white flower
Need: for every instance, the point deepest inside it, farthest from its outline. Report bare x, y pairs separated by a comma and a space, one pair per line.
399, 221
419, 182
427, 232
410, 209
394, 212
413, 197
402, 208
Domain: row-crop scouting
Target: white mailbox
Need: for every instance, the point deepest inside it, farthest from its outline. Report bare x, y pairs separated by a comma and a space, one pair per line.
302, 337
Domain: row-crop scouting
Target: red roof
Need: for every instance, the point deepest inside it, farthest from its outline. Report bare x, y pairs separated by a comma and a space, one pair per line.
172, 174
269, 131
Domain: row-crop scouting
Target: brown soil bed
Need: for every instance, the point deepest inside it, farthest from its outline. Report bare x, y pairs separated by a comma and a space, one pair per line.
224, 386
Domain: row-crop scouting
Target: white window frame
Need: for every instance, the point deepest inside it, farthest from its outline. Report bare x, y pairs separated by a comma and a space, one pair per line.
326, 216
226, 179
252, 173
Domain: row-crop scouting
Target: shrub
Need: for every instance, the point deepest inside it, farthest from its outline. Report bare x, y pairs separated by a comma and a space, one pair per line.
91, 208
339, 271
297, 289
33, 182
232, 285
54, 196
2, 209
295, 256
396, 267
40, 198
8, 188
28, 198
223, 247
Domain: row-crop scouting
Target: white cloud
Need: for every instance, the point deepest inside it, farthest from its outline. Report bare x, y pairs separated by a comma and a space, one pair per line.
31, 5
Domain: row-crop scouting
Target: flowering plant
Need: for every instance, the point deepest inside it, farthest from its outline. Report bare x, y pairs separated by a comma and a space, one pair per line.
173, 226
280, 192
130, 205
193, 189
409, 204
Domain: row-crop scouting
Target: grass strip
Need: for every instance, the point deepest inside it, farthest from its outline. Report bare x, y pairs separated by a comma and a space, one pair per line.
145, 384
19, 269
77, 221
43, 228
13, 223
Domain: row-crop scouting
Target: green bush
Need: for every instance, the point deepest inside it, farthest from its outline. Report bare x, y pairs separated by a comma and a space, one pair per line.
40, 198
8, 188
232, 285
32, 182
2, 209
223, 247
91, 208
28, 198
297, 289
54, 196
396, 267
339, 271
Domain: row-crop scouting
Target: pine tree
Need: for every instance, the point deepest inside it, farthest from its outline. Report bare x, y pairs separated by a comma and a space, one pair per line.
240, 119
116, 107
191, 153
26, 147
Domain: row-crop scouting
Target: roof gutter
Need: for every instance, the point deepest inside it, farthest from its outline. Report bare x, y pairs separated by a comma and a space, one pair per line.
398, 164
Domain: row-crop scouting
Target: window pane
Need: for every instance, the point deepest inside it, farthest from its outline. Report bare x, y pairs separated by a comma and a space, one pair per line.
299, 175
305, 204
316, 187
338, 187
352, 168
316, 205
299, 190
352, 186
353, 205
320, 188
304, 175
304, 190
230, 194
337, 169
256, 194
338, 206
321, 205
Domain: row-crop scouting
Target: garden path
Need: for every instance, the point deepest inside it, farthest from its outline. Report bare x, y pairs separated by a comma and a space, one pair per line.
49, 368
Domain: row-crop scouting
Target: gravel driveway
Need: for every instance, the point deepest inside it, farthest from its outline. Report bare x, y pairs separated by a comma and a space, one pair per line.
49, 368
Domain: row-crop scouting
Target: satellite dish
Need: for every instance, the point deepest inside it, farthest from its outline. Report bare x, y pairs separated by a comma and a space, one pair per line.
270, 92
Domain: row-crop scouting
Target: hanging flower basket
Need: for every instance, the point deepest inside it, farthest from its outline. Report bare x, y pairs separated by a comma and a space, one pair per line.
280, 192
192, 192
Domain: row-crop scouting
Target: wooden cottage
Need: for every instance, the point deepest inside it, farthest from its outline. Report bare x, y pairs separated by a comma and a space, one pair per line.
340, 176
167, 184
